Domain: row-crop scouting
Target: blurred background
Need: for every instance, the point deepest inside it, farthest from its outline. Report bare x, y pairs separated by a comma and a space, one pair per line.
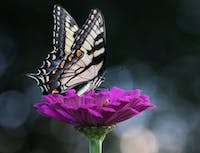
152, 45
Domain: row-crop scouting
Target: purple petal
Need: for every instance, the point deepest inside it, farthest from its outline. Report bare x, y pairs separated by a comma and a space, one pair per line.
94, 113
87, 117
122, 115
63, 113
107, 109
47, 111
116, 92
70, 93
139, 104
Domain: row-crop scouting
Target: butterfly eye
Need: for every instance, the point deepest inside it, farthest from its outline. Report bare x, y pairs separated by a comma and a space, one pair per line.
79, 53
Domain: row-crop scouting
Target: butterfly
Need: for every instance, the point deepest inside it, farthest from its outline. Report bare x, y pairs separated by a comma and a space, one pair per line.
78, 57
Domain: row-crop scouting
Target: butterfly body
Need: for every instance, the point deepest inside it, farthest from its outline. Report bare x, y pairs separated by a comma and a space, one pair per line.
77, 61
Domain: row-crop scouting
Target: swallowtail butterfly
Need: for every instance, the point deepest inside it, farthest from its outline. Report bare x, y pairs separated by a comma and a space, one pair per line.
77, 59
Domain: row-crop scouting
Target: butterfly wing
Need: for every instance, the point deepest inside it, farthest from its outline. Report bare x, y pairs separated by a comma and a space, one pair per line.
85, 70
65, 30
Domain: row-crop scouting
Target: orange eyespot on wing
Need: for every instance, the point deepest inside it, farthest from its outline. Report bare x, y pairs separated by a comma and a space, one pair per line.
70, 57
79, 53
62, 64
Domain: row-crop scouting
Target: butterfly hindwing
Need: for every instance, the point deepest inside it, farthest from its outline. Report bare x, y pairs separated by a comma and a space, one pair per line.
64, 32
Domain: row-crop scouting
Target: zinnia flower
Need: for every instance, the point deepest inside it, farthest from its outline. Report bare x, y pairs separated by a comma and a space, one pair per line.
94, 113
105, 107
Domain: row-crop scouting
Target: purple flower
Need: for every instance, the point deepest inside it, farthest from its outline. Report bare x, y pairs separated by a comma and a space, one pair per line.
104, 107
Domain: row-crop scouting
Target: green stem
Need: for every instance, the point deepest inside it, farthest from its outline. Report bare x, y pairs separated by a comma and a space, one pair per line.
95, 146
95, 135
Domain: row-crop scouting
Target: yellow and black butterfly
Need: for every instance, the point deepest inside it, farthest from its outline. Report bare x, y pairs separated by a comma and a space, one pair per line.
77, 59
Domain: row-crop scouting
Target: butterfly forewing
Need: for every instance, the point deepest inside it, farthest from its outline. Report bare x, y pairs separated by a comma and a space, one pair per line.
92, 33
65, 29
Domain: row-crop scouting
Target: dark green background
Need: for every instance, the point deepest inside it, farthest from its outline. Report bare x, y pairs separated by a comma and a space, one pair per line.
153, 45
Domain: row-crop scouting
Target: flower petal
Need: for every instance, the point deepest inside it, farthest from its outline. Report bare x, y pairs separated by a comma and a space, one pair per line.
121, 115
116, 92
94, 108
47, 111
